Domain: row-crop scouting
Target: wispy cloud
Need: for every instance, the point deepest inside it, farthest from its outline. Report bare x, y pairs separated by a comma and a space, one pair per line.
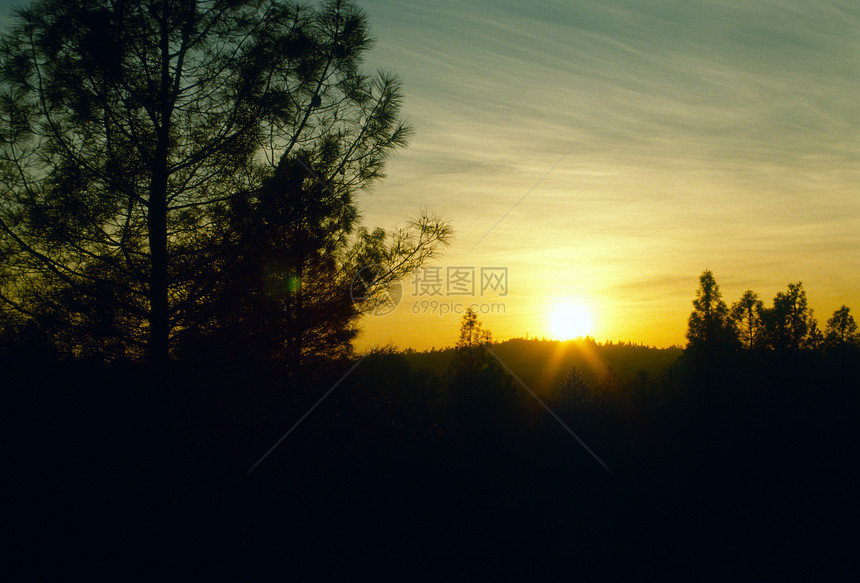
731, 137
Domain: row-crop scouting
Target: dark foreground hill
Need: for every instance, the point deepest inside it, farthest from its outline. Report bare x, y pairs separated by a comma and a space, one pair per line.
543, 364
746, 470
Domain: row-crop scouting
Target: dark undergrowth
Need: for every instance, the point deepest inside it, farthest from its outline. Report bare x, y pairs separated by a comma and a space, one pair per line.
743, 469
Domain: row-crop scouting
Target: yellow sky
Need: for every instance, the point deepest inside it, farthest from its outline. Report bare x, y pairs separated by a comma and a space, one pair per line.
608, 153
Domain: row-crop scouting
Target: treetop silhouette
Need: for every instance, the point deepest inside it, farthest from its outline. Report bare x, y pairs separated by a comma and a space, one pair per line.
145, 148
708, 324
788, 325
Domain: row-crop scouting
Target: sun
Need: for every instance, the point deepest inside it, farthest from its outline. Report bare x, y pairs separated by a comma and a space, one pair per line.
569, 321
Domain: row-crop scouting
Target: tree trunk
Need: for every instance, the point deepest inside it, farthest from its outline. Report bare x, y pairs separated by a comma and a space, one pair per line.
159, 309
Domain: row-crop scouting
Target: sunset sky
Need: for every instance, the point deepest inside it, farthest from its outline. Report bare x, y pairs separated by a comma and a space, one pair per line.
605, 153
